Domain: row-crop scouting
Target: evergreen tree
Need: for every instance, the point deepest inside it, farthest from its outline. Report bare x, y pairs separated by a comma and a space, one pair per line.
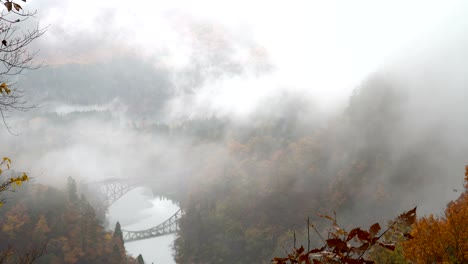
116, 256
140, 259
118, 232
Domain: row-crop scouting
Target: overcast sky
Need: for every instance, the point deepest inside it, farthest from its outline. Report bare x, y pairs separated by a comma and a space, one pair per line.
322, 48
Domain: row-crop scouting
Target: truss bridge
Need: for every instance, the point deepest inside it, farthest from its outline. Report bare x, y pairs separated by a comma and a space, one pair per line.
112, 189
170, 226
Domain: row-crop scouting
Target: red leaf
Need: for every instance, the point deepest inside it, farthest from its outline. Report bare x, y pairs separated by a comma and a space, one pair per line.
364, 235
338, 244
316, 250
303, 258
300, 250
352, 234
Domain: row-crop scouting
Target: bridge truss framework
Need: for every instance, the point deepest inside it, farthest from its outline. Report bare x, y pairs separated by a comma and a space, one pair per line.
170, 226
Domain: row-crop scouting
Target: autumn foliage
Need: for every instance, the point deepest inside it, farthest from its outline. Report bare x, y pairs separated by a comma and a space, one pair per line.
442, 239
10, 182
65, 224
347, 247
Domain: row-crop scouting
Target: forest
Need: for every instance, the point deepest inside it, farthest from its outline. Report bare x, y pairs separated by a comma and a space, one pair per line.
276, 146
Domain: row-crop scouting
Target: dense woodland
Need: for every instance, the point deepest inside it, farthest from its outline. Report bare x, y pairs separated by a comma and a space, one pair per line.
61, 224
245, 208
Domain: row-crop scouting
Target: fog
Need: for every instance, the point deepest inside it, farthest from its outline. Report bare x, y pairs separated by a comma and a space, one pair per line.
355, 107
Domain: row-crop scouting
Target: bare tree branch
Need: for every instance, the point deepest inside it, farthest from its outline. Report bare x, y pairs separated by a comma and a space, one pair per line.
15, 57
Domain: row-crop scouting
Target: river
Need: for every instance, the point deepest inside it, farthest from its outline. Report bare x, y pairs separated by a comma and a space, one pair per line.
138, 210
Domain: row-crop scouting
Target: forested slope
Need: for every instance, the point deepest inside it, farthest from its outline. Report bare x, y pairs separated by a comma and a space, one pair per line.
365, 164
61, 226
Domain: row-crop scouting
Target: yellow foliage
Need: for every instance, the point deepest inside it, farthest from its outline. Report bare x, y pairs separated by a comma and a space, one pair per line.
441, 240
13, 181
4, 88
19, 180
6, 161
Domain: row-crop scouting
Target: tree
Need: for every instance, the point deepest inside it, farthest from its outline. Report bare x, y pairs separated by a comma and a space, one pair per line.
140, 259
43, 218
118, 232
28, 257
14, 55
41, 229
443, 239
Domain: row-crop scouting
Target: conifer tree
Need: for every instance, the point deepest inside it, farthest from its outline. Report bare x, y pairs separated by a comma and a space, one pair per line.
140, 259
118, 232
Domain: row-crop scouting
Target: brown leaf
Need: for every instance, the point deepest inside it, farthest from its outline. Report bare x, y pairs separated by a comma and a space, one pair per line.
352, 234
316, 250
338, 244
300, 250
317, 261
326, 216
17, 7
9, 6
364, 235
303, 258
279, 260
408, 217
364, 246
374, 229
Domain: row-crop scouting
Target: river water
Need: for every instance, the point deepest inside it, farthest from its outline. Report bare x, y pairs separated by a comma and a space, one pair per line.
138, 210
